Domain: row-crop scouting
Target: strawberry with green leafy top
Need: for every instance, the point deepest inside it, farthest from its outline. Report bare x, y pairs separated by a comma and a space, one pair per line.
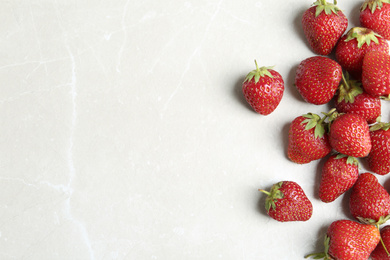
317, 79
263, 89
323, 24
348, 240
376, 74
352, 47
349, 134
369, 202
339, 174
286, 201
379, 156
375, 15
307, 139
350, 98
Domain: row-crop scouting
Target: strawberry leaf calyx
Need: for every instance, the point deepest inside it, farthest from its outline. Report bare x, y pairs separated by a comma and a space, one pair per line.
362, 36
373, 5
348, 89
273, 195
381, 220
379, 125
323, 255
258, 73
350, 159
328, 8
316, 122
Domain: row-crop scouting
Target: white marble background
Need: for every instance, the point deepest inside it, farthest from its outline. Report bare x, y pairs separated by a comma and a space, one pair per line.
124, 134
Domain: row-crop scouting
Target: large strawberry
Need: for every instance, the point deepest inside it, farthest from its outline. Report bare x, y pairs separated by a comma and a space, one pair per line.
376, 73
381, 252
349, 134
350, 98
349, 240
307, 139
369, 202
323, 24
379, 157
263, 89
286, 201
352, 47
375, 15
317, 79
339, 174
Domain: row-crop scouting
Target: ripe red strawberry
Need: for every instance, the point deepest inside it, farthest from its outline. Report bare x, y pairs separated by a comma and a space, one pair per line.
379, 252
339, 174
349, 240
317, 79
288, 202
369, 202
323, 24
376, 73
350, 98
379, 157
352, 47
307, 140
263, 89
375, 15
349, 134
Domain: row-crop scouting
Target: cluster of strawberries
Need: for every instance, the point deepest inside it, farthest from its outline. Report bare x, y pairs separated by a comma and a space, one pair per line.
356, 81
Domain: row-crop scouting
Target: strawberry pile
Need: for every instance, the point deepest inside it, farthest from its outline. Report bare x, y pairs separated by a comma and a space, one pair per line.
354, 82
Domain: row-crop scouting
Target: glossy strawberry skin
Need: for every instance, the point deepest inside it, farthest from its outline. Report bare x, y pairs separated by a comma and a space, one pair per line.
369, 199
378, 21
376, 73
265, 95
379, 252
349, 135
350, 57
303, 146
317, 79
379, 157
294, 206
337, 177
352, 240
364, 105
323, 32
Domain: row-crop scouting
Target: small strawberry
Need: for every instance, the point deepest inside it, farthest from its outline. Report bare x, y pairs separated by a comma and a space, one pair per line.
352, 47
317, 79
288, 202
323, 24
349, 240
263, 89
369, 202
379, 157
375, 15
351, 98
376, 73
307, 139
339, 174
349, 134
381, 252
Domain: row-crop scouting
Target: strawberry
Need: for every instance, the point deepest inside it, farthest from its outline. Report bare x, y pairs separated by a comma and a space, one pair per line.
317, 79
350, 98
352, 47
369, 202
339, 174
323, 24
379, 157
376, 73
381, 252
349, 240
375, 15
349, 134
307, 140
288, 202
263, 89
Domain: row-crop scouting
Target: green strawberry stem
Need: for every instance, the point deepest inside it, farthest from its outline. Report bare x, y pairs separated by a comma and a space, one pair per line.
328, 8
383, 243
258, 73
348, 89
323, 255
266, 192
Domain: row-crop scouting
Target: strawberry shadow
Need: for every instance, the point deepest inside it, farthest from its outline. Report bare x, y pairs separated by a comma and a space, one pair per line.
284, 138
238, 95
297, 24
290, 80
319, 242
318, 175
345, 204
354, 15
